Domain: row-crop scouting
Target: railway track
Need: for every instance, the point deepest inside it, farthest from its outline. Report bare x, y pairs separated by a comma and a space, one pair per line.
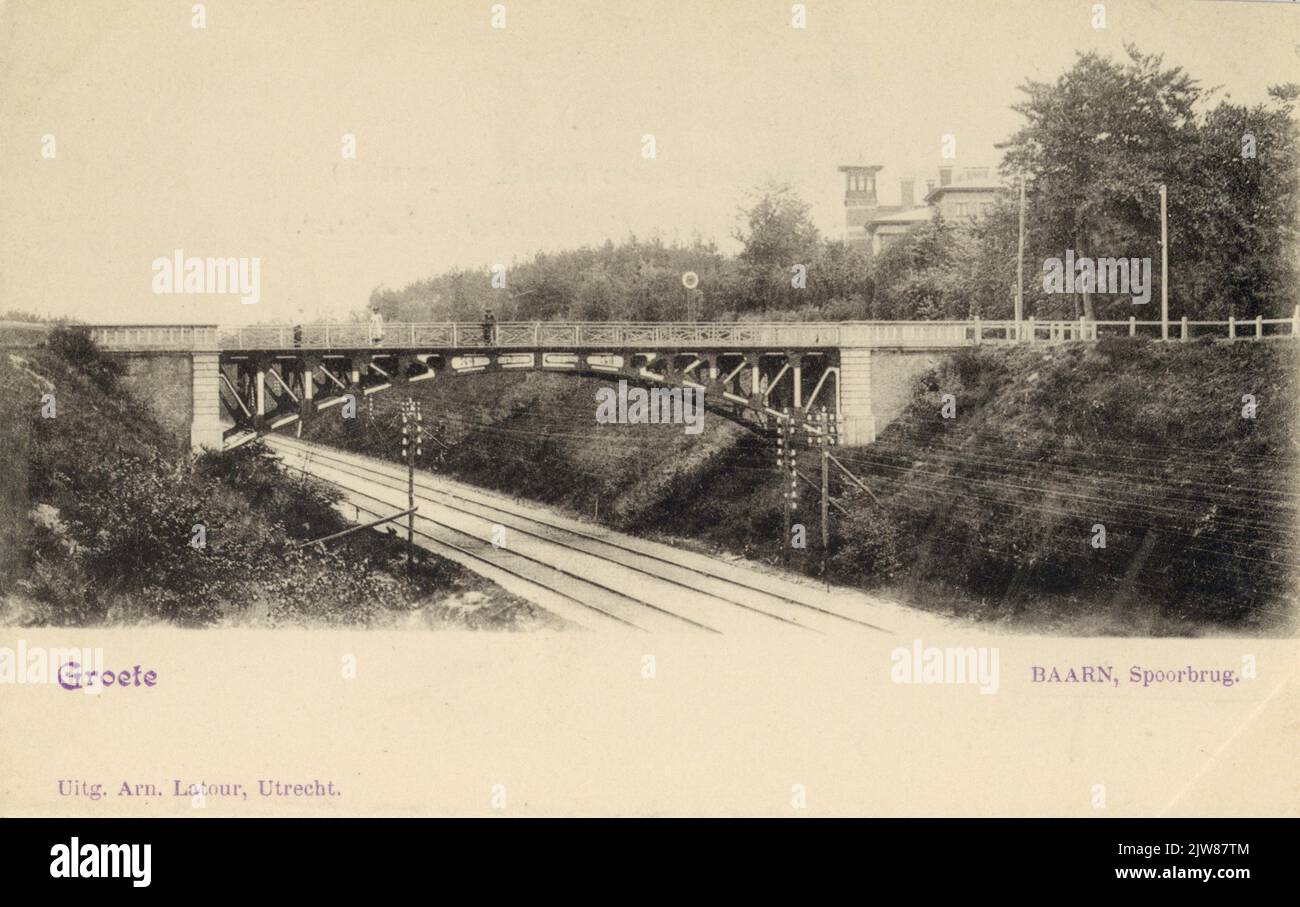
592, 576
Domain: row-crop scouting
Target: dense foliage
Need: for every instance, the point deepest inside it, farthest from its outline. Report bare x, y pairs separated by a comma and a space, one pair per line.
1097, 144
102, 522
1150, 442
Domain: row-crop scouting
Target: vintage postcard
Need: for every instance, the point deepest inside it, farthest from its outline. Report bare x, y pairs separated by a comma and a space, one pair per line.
638, 409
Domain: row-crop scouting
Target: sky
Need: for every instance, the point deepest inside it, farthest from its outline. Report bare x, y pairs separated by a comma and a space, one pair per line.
478, 145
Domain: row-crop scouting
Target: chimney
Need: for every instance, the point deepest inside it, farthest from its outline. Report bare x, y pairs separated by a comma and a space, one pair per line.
905, 187
945, 176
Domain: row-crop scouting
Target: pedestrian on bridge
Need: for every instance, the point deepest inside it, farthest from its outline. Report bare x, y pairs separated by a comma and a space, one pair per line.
488, 323
376, 326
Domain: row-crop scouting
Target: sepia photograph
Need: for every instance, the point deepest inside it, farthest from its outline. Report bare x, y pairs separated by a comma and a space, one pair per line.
439, 409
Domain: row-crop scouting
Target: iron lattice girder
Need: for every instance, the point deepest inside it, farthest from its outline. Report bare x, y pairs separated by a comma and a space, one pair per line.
300, 384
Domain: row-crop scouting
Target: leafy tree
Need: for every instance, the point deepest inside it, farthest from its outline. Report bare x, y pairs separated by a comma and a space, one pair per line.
1094, 148
777, 233
1098, 142
839, 281
914, 276
632, 280
1238, 186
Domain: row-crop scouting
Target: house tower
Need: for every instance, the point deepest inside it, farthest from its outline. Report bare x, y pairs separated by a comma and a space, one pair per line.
860, 201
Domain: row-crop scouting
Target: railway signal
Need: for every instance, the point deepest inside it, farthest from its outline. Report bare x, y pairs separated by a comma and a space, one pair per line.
826, 438
820, 430
782, 445
787, 430
412, 447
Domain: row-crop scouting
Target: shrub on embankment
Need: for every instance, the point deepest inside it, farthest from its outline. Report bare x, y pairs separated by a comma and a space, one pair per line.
101, 522
996, 513
1157, 446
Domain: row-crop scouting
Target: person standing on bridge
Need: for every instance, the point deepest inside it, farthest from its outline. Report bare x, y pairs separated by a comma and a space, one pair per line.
376, 326
488, 323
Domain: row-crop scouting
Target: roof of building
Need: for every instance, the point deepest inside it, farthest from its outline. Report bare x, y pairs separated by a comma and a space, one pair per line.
910, 216
983, 185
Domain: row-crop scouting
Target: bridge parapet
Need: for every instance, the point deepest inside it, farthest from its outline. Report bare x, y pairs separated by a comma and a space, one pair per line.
578, 335
125, 337
666, 335
861, 334
535, 335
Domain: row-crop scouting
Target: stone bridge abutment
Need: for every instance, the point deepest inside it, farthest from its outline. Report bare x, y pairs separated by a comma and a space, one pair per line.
181, 389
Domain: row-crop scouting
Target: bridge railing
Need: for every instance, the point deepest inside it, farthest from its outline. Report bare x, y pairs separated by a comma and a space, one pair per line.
155, 336
668, 335
907, 333
531, 334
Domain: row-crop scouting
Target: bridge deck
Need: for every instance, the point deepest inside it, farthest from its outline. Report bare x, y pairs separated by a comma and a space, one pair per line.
563, 335
616, 335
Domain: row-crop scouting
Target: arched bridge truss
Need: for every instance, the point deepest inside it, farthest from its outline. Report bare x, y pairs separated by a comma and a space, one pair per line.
269, 390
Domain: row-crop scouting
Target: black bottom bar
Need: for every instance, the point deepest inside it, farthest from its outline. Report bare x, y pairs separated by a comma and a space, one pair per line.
334, 857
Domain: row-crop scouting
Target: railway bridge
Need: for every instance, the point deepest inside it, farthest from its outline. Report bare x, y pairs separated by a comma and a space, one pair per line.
220, 386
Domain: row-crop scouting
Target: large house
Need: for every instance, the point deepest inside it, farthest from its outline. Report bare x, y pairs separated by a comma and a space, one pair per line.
958, 195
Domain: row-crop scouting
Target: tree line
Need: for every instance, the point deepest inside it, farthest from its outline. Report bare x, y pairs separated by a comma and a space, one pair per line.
1092, 149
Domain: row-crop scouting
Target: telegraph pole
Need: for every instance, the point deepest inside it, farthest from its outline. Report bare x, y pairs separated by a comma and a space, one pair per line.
1020, 263
1164, 266
825, 422
825, 442
412, 447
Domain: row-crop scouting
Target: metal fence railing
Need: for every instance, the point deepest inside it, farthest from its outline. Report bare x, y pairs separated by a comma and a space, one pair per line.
670, 335
532, 335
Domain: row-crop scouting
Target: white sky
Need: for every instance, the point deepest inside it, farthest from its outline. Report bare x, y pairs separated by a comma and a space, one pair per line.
479, 145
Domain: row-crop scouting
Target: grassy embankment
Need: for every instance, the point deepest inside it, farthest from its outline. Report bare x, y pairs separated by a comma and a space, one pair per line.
98, 516
989, 515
